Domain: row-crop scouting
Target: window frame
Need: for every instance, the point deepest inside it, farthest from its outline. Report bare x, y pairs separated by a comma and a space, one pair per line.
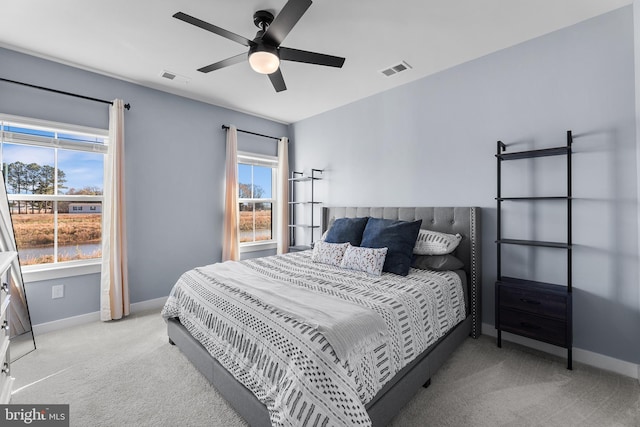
264, 160
55, 269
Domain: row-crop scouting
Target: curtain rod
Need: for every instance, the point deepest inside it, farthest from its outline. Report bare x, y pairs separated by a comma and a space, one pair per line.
127, 106
226, 127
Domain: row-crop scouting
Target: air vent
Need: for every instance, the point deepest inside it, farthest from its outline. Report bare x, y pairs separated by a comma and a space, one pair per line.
174, 77
398, 68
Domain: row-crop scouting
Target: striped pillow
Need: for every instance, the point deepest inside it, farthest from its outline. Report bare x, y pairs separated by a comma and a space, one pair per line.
435, 243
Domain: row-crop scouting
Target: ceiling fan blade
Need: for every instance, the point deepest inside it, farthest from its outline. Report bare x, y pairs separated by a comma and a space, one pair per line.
285, 21
224, 63
214, 29
297, 55
277, 81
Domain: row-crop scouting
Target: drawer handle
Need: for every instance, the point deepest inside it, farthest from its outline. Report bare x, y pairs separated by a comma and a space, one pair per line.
5, 287
530, 301
529, 325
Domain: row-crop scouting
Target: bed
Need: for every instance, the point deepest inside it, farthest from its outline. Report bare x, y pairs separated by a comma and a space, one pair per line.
391, 392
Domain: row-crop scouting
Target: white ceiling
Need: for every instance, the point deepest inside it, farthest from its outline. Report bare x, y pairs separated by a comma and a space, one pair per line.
136, 40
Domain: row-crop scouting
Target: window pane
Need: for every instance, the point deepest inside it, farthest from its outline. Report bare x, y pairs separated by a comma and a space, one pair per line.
255, 182
264, 224
244, 181
31, 169
30, 131
246, 222
28, 170
33, 226
79, 230
80, 172
261, 182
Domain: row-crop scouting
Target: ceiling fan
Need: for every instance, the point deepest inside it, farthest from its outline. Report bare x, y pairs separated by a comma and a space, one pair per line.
265, 52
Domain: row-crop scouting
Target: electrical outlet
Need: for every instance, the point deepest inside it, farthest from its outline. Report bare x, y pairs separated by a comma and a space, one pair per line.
57, 291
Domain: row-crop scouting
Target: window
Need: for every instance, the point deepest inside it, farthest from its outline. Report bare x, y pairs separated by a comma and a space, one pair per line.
257, 197
54, 178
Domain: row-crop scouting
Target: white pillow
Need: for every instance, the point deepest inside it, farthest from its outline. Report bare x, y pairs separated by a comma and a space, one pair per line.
328, 253
369, 260
435, 243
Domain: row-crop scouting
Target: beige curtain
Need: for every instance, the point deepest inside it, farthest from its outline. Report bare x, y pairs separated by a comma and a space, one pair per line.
230, 238
283, 196
114, 287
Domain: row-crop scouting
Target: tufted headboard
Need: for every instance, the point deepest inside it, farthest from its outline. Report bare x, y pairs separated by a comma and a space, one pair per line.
463, 220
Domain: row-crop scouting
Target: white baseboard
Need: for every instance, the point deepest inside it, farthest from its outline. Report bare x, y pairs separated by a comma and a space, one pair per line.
68, 322
43, 328
587, 357
151, 304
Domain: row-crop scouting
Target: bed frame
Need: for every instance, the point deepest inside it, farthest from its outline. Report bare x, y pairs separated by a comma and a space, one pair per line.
403, 386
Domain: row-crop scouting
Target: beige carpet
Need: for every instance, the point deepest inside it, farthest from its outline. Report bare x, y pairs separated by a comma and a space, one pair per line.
125, 373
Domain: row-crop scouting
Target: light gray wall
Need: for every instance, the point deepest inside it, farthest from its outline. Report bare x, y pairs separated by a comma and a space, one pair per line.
174, 174
432, 142
636, 33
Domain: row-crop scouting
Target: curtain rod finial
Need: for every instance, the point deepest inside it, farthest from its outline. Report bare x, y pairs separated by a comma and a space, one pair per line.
127, 106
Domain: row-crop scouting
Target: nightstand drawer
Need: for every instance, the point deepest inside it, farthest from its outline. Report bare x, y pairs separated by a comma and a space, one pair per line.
5, 375
4, 310
534, 301
533, 326
4, 290
6, 381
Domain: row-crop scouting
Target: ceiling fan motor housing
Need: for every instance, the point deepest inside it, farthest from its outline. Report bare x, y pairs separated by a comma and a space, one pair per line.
262, 19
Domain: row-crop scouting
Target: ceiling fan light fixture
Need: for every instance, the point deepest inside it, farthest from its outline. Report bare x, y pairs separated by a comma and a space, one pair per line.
265, 50
264, 59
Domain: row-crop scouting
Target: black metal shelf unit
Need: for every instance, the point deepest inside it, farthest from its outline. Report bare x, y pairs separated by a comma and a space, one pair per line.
537, 310
299, 177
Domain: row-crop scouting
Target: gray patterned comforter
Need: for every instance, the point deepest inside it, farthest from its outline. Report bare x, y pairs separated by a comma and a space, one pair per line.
288, 363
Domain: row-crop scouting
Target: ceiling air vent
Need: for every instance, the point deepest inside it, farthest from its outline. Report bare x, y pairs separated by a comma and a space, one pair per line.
174, 77
403, 66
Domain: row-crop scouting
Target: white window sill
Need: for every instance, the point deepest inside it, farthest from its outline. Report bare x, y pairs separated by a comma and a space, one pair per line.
258, 246
60, 270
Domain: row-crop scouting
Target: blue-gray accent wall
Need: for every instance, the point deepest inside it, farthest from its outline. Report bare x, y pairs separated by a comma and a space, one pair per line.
175, 153
432, 142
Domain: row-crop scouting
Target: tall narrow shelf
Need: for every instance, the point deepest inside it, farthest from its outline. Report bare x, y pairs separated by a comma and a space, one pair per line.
536, 310
314, 220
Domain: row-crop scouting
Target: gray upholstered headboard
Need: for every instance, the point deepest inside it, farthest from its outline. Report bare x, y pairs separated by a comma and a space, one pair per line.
463, 220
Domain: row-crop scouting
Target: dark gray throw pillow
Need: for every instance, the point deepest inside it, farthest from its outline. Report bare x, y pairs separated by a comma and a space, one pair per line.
437, 262
346, 230
398, 236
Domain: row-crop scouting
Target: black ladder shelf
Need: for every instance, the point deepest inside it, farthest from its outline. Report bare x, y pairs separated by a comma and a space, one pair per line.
536, 310
297, 177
